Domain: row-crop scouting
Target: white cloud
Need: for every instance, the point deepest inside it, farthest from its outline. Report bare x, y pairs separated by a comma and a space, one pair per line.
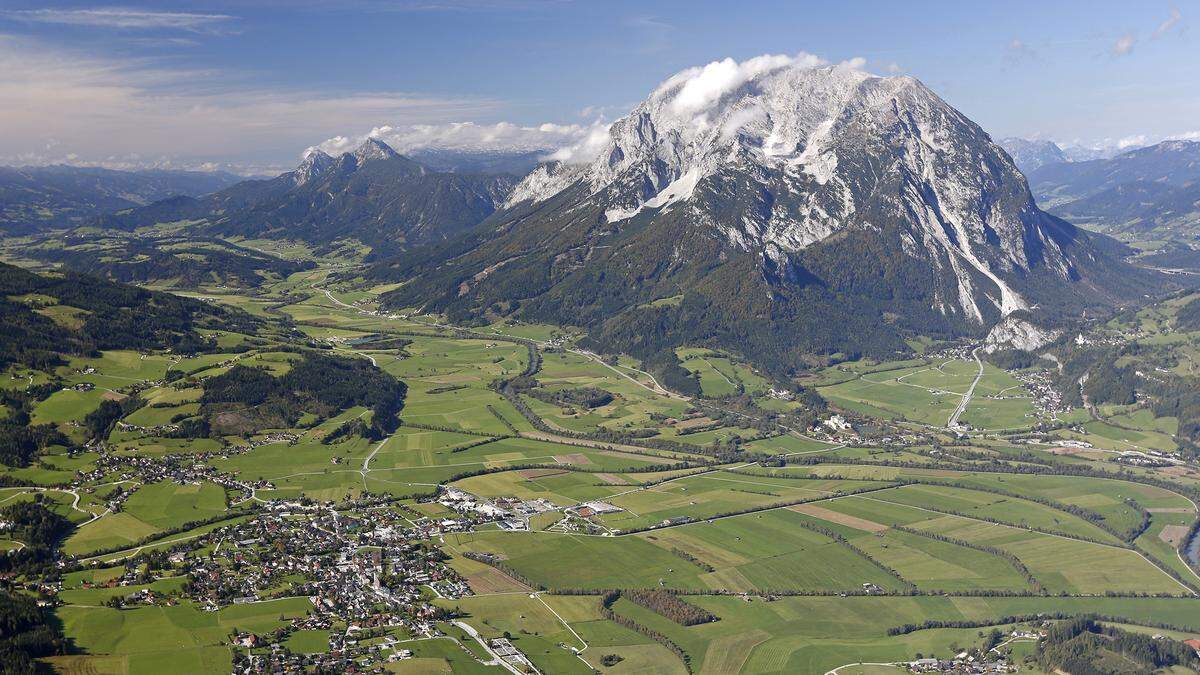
586, 149
1133, 141
100, 108
124, 18
1170, 22
1019, 50
1124, 45
700, 87
691, 94
465, 136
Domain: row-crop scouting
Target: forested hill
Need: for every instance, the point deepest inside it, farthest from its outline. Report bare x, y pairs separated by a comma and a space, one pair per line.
373, 195
1087, 647
46, 316
247, 400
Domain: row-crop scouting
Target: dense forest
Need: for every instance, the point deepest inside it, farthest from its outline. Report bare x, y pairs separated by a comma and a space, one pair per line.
1179, 397
25, 634
39, 528
671, 606
21, 441
1188, 318
43, 317
245, 399
1086, 647
584, 397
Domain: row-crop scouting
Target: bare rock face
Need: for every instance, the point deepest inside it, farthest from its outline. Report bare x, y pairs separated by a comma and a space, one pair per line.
790, 206
1016, 333
822, 151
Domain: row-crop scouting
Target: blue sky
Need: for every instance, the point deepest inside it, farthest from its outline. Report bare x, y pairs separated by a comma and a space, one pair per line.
251, 83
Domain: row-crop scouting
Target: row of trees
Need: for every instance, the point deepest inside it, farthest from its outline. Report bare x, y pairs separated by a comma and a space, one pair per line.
671, 606
606, 610
905, 629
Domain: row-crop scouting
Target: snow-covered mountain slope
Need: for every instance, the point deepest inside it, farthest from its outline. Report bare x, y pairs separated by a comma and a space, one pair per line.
822, 142
807, 179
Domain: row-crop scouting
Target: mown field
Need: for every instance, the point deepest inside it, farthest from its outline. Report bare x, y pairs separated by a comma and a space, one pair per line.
938, 536
929, 392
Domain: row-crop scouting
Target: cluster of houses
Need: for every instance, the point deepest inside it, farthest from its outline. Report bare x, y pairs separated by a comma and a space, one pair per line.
142, 469
962, 664
360, 562
1047, 400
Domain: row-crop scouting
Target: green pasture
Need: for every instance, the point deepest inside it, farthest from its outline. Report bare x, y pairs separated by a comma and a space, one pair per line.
182, 638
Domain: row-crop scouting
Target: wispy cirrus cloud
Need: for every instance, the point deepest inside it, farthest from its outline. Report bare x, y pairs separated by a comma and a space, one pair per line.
1170, 22
123, 18
1019, 50
1123, 46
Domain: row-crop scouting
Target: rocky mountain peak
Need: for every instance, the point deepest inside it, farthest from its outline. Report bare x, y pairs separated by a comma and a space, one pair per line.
1031, 155
315, 163
373, 149
811, 151
786, 206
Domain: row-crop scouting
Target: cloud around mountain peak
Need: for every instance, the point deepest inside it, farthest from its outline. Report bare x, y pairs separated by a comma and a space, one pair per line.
692, 93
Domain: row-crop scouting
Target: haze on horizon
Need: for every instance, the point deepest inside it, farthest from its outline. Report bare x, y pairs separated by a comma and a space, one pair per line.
249, 85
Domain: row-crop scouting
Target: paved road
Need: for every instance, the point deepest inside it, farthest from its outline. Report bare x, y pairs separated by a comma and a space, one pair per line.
860, 663
966, 399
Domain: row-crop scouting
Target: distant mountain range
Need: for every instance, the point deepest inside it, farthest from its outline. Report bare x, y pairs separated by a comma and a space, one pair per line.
790, 215
799, 211
373, 195
1147, 193
1031, 155
33, 198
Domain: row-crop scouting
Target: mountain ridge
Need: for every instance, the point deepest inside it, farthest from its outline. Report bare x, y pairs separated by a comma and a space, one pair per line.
34, 198
371, 194
1152, 191
777, 197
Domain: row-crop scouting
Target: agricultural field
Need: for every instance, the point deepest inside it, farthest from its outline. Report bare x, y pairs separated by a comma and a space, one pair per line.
182, 637
815, 634
807, 558
633, 406
719, 375
929, 392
